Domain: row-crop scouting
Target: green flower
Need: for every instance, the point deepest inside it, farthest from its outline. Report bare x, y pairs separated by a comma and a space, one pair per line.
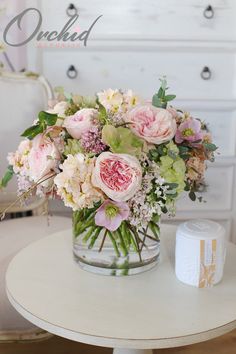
121, 140
72, 147
172, 167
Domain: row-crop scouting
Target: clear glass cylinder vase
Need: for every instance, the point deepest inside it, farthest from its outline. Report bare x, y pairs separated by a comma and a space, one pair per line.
125, 251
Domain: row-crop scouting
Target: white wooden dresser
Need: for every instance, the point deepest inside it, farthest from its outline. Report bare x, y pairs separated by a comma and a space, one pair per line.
192, 42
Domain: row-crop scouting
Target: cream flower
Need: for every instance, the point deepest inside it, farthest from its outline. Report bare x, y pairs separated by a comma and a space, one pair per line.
74, 182
117, 175
19, 159
111, 99
130, 99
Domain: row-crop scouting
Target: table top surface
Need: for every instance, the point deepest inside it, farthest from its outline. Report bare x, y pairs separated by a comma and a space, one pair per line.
148, 310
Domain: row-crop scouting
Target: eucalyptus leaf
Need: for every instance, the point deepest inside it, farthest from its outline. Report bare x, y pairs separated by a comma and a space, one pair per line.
156, 101
7, 177
161, 93
170, 97
192, 196
210, 146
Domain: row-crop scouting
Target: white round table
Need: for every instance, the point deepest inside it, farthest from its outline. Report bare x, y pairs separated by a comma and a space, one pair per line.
136, 313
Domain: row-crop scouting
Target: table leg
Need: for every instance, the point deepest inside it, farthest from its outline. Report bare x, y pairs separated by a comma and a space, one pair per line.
131, 351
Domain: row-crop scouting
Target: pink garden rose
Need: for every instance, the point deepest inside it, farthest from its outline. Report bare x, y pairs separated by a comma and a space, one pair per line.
155, 125
117, 175
43, 157
80, 122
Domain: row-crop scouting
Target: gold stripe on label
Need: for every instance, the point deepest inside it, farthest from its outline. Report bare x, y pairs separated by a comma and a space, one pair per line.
207, 263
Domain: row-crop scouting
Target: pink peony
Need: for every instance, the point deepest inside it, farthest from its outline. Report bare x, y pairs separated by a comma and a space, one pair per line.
43, 157
111, 214
80, 122
189, 130
117, 175
155, 125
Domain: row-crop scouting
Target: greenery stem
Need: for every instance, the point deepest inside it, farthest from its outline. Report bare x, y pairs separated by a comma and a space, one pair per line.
103, 240
114, 243
88, 234
95, 236
122, 243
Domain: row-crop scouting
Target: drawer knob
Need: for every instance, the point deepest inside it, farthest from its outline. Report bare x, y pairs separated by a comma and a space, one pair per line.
72, 72
206, 73
208, 12
71, 10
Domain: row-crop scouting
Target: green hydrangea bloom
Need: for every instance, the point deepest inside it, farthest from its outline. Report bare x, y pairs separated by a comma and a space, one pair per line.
172, 167
121, 140
72, 147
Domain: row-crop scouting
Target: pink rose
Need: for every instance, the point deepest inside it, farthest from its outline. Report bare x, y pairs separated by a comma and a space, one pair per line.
117, 175
43, 157
80, 122
155, 125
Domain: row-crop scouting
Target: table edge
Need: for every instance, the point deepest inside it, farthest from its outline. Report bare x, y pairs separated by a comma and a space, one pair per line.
111, 342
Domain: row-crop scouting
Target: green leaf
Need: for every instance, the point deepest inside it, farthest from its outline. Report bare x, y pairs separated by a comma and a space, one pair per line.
192, 196
31, 132
187, 187
102, 114
170, 98
172, 185
153, 155
7, 177
49, 118
210, 146
158, 102
161, 93
183, 149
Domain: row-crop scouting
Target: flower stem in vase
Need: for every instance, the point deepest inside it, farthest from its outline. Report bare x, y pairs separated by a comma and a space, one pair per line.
114, 243
94, 237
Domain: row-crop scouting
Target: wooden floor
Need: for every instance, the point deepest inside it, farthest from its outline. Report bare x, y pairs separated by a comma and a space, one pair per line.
222, 345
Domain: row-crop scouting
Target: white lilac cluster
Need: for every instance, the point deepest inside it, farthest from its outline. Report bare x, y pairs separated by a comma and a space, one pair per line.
144, 205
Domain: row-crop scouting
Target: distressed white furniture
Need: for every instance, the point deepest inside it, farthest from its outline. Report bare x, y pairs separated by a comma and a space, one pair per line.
145, 311
15, 235
192, 42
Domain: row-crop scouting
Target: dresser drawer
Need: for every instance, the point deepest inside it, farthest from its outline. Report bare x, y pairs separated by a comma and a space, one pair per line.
153, 19
218, 194
140, 70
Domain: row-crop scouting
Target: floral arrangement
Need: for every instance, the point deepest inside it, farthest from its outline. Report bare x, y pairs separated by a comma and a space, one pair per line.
118, 161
